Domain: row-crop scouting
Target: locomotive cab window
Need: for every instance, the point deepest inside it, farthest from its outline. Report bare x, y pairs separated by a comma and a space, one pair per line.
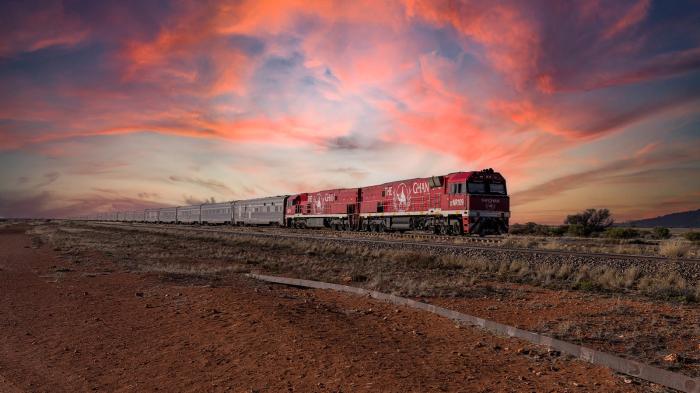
476, 188
456, 188
497, 188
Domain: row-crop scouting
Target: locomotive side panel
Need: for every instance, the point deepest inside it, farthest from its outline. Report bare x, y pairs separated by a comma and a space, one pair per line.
331, 203
406, 197
336, 208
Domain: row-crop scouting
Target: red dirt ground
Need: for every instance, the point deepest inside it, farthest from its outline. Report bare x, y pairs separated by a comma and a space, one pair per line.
610, 324
95, 327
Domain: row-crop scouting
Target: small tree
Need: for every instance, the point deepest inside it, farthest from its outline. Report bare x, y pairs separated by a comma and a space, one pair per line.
661, 233
589, 221
692, 236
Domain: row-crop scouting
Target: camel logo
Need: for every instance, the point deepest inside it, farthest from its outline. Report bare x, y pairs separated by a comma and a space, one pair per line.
402, 198
319, 204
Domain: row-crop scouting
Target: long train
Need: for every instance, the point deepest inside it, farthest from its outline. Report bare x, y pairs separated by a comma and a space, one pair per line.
458, 203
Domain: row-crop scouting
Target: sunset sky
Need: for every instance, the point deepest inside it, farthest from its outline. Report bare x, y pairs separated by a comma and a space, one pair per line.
132, 104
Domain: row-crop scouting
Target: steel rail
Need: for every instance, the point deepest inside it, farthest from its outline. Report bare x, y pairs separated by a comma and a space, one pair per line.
410, 243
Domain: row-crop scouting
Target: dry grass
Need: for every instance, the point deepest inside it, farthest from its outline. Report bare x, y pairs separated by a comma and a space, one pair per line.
200, 269
403, 272
519, 242
674, 248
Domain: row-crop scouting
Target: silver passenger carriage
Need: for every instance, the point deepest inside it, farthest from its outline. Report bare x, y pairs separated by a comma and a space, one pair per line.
260, 211
151, 215
189, 214
134, 216
167, 215
217, 213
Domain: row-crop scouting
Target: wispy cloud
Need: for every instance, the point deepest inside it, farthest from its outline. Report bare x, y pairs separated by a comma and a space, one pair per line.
211, 184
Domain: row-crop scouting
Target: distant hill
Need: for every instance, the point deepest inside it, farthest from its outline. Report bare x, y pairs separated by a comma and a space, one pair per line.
689, 219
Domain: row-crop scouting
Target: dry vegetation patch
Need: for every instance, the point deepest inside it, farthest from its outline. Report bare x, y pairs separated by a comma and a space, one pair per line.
388, 269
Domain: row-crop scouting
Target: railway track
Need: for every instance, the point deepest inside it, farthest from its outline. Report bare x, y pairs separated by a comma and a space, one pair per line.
377, 241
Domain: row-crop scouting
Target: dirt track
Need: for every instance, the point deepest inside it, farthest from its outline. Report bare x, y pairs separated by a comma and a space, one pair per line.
94, 326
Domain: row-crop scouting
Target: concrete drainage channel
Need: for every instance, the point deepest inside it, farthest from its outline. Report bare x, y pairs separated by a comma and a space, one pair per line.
656, 375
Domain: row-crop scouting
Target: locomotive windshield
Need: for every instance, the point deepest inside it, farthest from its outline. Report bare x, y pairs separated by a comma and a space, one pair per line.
497, 188
474, 187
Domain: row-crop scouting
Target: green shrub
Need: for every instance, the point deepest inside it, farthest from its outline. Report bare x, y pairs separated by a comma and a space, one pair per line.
661, 233
589, 221
559, 230
585, 285
532, 228
621, 233
692, 236
577, 230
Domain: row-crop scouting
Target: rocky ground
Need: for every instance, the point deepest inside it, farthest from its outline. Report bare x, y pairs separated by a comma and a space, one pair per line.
100, 314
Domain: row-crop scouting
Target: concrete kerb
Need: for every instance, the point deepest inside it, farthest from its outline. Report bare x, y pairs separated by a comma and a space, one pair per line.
630, 367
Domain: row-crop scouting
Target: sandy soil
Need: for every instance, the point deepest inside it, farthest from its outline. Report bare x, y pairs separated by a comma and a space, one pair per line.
93, 326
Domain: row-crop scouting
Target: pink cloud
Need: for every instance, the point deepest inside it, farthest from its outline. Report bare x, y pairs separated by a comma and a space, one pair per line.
633, 16
29, 29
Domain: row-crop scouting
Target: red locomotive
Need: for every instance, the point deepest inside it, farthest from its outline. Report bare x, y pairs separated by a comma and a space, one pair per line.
458, 203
